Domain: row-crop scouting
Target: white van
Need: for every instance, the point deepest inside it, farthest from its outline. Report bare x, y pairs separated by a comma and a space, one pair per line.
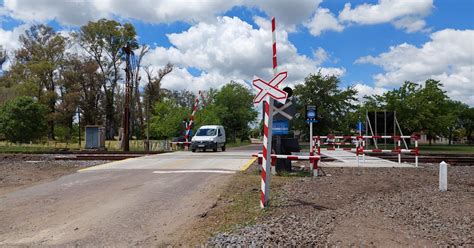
209, 137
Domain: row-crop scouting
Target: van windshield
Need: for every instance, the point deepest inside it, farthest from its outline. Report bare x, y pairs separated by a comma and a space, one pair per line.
206, 132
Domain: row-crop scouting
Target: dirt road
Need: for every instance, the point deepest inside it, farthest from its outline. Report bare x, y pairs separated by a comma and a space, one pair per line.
143, 201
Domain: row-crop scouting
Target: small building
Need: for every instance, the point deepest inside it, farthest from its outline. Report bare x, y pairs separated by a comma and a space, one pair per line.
95, 137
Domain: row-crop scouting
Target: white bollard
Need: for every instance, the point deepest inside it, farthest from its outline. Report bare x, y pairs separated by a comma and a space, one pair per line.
443, 176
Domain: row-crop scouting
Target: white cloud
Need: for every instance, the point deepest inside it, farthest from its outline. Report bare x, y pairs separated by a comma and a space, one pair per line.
231, 49
405, 14
9, 41
288, 13
323, 20
367, 90
320, 55
9, 38
65, 12
448, 57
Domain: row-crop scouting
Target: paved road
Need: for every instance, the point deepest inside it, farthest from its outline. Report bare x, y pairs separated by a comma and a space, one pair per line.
142, 201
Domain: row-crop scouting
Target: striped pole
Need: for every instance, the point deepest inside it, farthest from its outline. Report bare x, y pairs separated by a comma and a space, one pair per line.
267, 132
191, 120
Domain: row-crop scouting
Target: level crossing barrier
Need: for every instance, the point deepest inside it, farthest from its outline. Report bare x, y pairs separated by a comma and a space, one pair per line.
360, 148
312, 159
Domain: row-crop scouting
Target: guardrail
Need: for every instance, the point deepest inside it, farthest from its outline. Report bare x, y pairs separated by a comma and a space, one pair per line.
360, 145
313, 161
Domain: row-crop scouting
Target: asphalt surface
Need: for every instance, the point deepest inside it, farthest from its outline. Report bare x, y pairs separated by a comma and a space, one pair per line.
141, 201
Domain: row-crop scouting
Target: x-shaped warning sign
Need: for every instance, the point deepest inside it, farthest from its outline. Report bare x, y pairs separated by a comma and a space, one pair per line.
281, 110
271, 88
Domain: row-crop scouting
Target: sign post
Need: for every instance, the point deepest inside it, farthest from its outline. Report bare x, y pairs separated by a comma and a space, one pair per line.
311, 118
269, 92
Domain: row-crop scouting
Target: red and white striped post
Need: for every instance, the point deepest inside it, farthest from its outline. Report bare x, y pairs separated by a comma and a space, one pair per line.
191, 120
267, 131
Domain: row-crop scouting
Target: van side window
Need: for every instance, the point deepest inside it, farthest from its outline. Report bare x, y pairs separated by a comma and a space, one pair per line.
219, 132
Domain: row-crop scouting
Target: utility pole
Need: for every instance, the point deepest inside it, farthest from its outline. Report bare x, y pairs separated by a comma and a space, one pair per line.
126, 110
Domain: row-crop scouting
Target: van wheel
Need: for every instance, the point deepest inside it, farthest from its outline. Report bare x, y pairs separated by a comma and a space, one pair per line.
223, 148
193, 150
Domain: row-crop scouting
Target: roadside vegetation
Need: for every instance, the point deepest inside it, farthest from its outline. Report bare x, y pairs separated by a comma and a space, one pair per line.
51, 91
236, 207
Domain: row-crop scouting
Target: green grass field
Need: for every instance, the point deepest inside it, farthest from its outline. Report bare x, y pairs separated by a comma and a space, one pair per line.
53, 146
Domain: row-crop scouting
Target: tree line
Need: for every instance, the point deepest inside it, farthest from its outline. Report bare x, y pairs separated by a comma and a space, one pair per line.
82, 74
421, 108
50, 83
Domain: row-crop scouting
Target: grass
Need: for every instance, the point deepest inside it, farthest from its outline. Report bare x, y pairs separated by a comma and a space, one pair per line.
238, 143
56, 146
238, 205
435, 148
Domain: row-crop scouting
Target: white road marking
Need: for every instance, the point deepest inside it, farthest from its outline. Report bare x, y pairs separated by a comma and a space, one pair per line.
194, 171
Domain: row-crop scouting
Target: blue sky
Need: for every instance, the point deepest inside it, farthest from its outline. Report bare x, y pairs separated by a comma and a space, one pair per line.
372, 45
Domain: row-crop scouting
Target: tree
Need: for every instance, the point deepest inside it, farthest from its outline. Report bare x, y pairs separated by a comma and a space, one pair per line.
38, 66
23, 120
167, 119
103, 41
235, 109
153, 90
333, 103
466, 119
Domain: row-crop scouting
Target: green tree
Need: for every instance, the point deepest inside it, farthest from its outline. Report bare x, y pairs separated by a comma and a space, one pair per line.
103, 41
23, 120
167, 119
37, 67
334, 104
466, 119
235, 109
207, 116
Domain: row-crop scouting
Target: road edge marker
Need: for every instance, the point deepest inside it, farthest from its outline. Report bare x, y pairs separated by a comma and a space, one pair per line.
248, 164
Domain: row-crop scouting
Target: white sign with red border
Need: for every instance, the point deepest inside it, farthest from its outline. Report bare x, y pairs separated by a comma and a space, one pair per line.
271, 88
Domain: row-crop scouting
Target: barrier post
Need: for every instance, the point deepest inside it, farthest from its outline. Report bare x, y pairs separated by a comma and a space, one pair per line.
319, 147
311, 141
314, 165
417, 152
399, 152
443, 176
273, 170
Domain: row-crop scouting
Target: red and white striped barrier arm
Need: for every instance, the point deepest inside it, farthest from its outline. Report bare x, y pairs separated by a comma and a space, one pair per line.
312, 158
395, 137
191, 119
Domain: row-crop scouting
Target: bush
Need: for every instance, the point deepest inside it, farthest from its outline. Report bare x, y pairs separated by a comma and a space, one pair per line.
22, 120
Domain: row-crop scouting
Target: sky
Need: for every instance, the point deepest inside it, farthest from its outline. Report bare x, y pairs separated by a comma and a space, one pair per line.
373, 46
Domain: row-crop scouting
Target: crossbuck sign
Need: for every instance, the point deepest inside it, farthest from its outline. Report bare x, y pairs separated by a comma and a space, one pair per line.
271, 88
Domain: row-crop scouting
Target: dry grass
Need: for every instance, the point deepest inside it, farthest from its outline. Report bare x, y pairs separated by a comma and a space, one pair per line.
238, 205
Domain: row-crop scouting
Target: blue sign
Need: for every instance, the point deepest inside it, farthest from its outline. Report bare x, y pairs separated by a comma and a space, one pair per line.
311, 114
360, 126
280, 127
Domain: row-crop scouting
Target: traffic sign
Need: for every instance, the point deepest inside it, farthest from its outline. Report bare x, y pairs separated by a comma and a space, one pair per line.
270, 88
283, 112
311, 114
360, 126
280, 127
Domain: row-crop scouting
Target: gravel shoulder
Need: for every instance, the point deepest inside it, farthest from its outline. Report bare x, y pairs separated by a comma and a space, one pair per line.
18, 171
365, 207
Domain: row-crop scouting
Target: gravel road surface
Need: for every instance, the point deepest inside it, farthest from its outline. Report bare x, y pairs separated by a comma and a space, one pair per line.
384, 207
125, 203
